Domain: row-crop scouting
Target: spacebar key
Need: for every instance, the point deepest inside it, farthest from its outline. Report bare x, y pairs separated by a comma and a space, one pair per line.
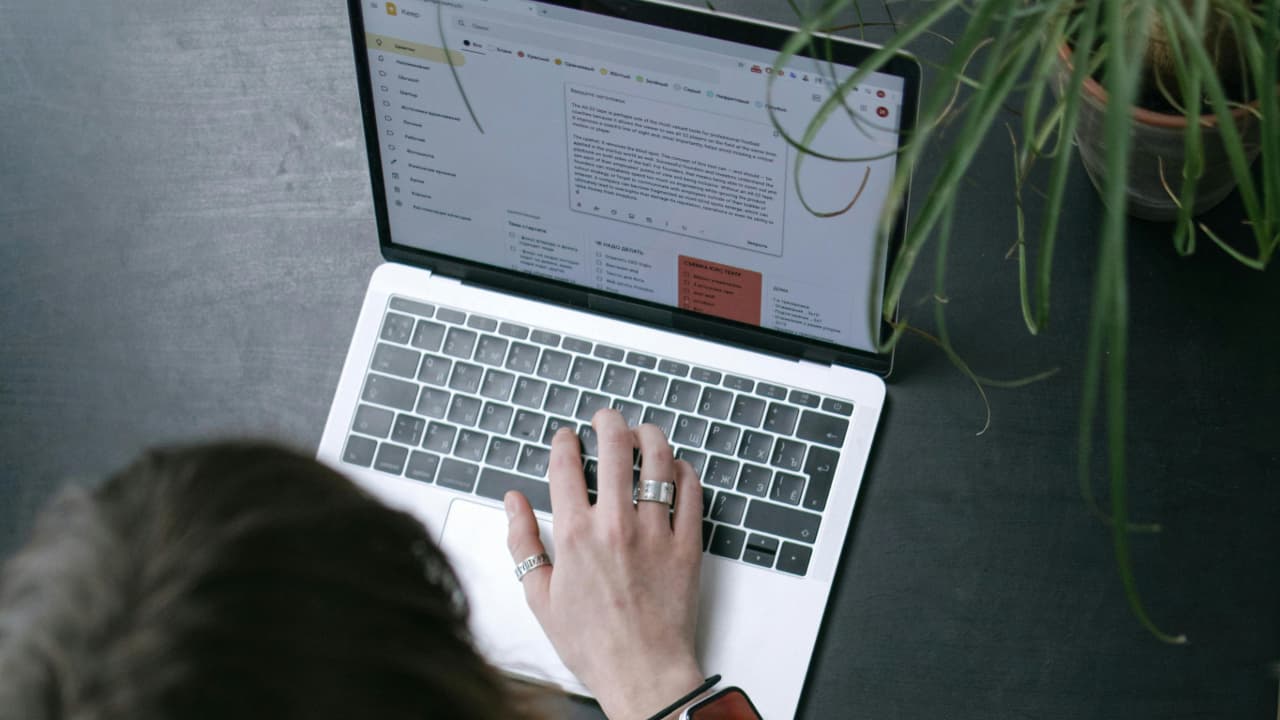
495, 483
778, 520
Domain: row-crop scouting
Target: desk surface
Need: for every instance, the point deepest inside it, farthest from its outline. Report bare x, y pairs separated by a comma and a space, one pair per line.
187, 232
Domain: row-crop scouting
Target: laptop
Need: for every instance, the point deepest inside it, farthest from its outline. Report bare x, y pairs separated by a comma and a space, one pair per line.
586, 205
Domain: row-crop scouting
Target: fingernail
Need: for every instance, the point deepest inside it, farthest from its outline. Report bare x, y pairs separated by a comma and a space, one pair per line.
509, 504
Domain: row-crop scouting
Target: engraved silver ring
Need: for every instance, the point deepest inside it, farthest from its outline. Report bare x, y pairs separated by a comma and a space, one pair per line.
659, 491
525, 566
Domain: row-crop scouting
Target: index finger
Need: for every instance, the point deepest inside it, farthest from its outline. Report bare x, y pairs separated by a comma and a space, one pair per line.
568, 484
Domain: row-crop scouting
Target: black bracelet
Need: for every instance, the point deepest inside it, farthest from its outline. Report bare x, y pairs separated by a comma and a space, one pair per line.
706, 685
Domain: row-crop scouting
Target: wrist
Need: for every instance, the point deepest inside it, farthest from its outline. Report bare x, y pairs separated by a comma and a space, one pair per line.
640, 694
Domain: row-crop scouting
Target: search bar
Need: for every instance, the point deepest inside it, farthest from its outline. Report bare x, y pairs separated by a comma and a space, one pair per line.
600, 53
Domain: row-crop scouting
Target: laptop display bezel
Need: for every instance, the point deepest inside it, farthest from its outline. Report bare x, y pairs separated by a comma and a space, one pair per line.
685, 19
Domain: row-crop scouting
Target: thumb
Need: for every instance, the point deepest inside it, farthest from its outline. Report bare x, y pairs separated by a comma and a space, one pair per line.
523, 542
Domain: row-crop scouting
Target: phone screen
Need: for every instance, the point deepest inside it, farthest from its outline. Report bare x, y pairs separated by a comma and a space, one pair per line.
728, 704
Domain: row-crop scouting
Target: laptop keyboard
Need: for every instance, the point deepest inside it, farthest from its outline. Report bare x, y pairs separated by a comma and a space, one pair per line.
471, 403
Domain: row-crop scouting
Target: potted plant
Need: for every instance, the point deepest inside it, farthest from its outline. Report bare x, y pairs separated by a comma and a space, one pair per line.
1170, 104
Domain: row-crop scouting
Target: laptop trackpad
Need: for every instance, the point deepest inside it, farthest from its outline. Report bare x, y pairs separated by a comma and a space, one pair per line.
505, 630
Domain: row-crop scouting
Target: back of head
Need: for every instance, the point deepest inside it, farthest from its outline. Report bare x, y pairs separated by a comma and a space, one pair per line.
235, 580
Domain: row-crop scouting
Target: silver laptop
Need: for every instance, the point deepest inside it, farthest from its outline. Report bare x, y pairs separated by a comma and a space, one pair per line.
587, 205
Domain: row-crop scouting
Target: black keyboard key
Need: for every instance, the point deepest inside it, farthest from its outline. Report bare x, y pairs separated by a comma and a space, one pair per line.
471, 445
496, 418
721, 472
528, 425
522, 358
591, 473
728, 508
798, 397
397, 328
755, 447
496, 483
464, 410
773, 392
359, 451
394, 360
823, 429
715, 403
422, 466
449, 315
586, 373
664, 419
589, 441
534, 460
502, 453
609, 353
696, 459
787, 488
760, 550
390, 458
561, 400
409, 306
707, 525
589, 404
747, 410
554, 365
457, 475
781, 419
728, 542
682, 395
794, 558
428, 336
633, 413
723, 439
466, 377
433, 402
439, 438
542, 337
689, 430
511, 330
754, 480
821, 469
788, 455
839, 407
741, 384
491, 350
388, 391
460, 343
408, 429
648, 362
618, 380
650, 388
373, 421
529, 393
708, 497
434, 370
705, 375
576, 345
553, 426
482, 323
671, 367
497, 384
782, 521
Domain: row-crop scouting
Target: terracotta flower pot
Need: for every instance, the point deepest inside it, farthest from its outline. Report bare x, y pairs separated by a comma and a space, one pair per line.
1158, 142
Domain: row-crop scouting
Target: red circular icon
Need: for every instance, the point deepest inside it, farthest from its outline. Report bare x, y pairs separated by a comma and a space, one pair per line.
520, 53
882, 111
879, 93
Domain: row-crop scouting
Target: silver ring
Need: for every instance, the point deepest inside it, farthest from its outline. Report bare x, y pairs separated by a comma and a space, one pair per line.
658, 491
525, 566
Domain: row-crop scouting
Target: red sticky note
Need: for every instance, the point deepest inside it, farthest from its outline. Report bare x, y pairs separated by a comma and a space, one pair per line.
724, 291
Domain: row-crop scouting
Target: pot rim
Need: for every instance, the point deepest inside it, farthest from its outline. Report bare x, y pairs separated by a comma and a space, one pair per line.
1151, 117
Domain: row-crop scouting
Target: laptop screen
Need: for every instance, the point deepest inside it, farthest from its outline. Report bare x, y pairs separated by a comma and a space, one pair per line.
632, 160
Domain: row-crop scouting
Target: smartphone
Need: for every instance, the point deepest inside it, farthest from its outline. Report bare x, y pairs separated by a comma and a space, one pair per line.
728, 704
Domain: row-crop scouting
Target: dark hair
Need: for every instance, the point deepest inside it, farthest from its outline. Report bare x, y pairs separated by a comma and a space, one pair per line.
236, 580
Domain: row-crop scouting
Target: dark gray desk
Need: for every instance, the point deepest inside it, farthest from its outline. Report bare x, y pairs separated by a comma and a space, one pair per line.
185, 235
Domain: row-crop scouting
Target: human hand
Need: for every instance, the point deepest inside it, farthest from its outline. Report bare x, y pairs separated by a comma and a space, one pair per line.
621, 602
